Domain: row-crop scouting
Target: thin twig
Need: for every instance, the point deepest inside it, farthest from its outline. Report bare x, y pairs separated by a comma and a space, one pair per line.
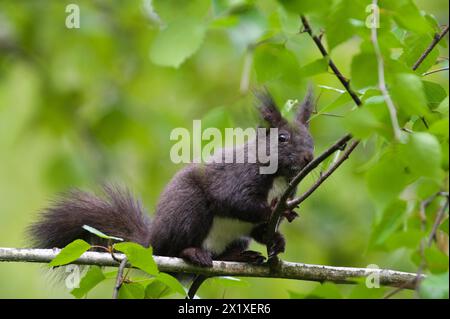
281, 203
195, 286
437, 37
287, 270
345, 82
382, 82
436, 71
295, 202
119, 278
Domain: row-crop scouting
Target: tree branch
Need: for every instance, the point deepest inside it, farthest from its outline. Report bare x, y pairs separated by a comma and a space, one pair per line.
295, 202
345, 82
436, 71
281, 204
287, 270
119, 277
382, 82
438, 37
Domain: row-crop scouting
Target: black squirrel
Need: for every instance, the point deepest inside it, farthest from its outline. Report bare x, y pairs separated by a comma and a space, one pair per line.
207, 211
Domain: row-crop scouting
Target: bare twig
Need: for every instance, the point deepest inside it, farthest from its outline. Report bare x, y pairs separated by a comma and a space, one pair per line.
295, 202
345, 82
119, 278
287, 270
436, 71
281, 203
437, 37
437, 222
382, 82
195, 286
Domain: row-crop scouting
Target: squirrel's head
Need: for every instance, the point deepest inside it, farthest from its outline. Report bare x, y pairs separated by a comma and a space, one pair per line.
295, 144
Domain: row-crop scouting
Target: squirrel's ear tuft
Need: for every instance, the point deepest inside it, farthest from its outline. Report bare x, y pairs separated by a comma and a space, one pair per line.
268, 109
306, 108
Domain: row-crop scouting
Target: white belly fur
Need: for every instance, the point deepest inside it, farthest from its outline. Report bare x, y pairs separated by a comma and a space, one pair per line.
223, 232
226, 230
279, 185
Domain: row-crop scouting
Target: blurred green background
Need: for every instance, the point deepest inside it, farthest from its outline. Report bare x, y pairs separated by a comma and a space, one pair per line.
79, 107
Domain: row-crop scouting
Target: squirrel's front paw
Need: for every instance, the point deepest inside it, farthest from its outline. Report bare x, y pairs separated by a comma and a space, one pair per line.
290, 215
250, 256
277, 246
197, 257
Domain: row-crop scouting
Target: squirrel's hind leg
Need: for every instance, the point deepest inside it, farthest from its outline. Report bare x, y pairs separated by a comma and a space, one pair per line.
197, 256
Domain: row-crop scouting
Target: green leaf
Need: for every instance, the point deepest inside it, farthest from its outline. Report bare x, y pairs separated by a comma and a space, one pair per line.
408, 94
315, 67
339, 24
326, 290
157, 289
391, 219
435, 287
408, 16
139, 257
171, 282
180, 40
443, 107
364, 66
343, 100
422, 154
132, 291
92, 278
387, 179
437, 261
98, 233
304, 6
361, 123
415, 46
361, 291
70, 253
435, 93
405, 239
274, 62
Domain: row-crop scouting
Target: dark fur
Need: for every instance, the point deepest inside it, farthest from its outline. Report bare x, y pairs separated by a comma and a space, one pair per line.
189, 203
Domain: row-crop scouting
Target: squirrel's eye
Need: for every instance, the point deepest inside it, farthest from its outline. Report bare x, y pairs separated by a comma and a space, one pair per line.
283, 137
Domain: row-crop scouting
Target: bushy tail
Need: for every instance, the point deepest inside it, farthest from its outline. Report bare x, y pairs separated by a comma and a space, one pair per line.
116, 213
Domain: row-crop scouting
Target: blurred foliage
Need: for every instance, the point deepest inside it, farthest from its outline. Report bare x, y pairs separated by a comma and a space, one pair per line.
79, 107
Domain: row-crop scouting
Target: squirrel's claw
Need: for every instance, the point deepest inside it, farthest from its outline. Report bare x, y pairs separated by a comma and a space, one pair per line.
278, 245
290, 215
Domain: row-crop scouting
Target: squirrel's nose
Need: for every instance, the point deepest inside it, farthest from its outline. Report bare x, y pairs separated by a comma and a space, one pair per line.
308, 157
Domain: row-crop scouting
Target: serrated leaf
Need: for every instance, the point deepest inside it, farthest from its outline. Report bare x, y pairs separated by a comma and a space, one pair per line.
434, 93
139, 257
171, 282
180, 40
92, 278
157, 289
408, 94
422, 154
132, 291
70, 253
98, 233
